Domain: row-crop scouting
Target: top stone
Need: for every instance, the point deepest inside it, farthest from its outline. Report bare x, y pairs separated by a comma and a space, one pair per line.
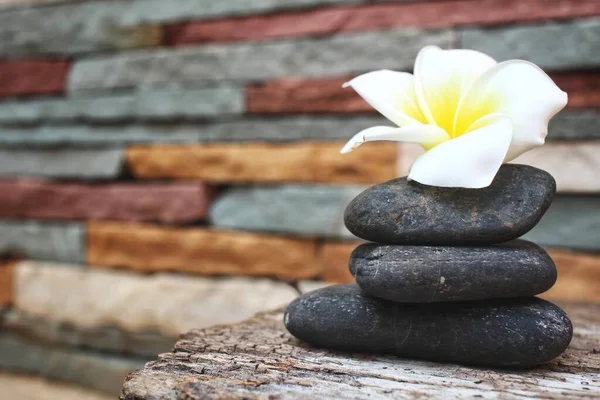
403, 212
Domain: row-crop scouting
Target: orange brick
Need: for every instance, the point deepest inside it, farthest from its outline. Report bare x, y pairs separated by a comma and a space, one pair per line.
6, 282
578, 277
334, 258
149, 248
266, 163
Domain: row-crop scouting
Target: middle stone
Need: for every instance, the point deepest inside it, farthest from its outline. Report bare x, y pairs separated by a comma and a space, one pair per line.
425, 274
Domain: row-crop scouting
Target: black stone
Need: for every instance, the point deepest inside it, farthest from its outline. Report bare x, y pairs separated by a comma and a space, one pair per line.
424, 274
403, 212
519, 332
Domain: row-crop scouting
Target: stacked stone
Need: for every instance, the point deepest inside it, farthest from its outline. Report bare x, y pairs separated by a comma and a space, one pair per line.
444, 278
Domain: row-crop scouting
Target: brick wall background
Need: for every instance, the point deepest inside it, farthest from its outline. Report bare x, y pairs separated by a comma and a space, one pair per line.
168, 165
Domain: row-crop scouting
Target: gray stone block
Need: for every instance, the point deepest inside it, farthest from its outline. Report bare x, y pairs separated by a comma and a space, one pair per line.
333, 56
154, 105
313, 211
575, 124
100, 26
61, 163
572, 222
72, 29
104, 338
93, 370
55, 136
54, 242
276, 130
289, 129
160, 11
559, 45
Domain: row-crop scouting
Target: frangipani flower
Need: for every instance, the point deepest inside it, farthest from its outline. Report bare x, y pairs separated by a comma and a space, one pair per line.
469, 112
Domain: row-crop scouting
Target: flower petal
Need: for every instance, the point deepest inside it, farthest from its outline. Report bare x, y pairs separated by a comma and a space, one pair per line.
521, 91
427, 135
469, 161
391, 93
442, 77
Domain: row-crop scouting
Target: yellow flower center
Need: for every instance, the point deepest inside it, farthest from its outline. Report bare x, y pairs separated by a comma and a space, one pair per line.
444, 108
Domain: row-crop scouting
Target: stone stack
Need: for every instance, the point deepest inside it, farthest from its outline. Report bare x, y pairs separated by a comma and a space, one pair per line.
444, 278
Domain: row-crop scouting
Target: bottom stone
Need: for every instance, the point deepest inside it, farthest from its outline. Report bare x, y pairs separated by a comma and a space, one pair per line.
509, 332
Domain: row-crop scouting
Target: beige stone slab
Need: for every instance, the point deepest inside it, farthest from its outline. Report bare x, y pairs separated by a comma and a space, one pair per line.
309, 286
574, 165
170, 304
22, 387
152, 248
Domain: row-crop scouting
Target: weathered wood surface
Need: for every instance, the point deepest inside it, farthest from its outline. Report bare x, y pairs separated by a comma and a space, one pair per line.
259, 359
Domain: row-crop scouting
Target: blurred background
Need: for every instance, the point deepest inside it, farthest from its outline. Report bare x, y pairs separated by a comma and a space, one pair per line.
169, 165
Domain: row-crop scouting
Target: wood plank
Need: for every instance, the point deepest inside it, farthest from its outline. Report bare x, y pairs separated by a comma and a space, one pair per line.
258, 358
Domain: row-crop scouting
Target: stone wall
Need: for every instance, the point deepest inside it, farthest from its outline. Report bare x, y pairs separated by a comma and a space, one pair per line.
168, 165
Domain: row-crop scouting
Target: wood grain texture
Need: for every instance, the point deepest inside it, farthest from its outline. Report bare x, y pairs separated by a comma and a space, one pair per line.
258, 358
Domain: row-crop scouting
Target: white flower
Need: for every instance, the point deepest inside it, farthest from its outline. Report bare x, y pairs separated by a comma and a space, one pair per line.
469, 112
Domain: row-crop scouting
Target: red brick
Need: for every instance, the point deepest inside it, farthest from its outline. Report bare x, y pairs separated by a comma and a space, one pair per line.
308, 96
168, 203
327, 21
21, 78
583, 88
327, 95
